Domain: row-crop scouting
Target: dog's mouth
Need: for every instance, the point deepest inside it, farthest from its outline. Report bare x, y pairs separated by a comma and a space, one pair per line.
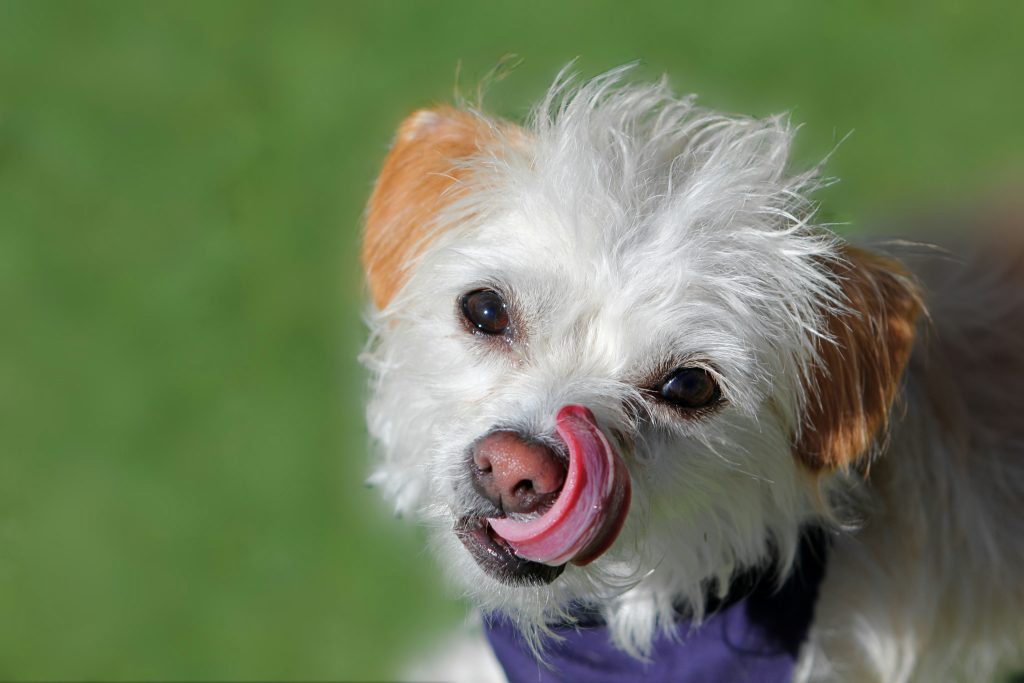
497, 558
578, 527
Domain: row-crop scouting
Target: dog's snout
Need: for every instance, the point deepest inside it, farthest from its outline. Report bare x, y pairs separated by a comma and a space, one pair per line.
516, 475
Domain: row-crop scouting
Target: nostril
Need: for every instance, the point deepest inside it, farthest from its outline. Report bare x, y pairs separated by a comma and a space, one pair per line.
482, 462
523, 488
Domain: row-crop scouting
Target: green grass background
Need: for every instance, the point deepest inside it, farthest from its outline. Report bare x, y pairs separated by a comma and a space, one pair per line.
181, 440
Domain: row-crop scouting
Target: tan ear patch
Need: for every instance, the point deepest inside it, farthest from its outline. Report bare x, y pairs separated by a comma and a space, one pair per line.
859, 374
420, 177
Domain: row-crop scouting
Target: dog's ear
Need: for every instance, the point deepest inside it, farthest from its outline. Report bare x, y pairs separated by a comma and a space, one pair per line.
859, 369
420, 177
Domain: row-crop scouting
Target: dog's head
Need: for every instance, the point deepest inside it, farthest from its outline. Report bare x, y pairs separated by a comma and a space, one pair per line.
613, 361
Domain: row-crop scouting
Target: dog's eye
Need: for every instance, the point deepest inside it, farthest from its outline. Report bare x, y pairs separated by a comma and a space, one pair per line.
486, 311
690, 388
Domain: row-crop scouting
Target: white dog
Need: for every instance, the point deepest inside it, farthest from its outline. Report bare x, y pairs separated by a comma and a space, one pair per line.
625, 377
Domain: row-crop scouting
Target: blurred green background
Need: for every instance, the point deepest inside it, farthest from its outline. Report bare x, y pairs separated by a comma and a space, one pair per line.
181, 440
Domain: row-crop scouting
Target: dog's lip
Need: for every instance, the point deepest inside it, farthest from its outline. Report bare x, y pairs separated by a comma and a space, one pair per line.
590, 510
498, 559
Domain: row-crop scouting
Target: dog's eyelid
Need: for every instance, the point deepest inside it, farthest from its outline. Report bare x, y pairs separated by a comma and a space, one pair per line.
655, 378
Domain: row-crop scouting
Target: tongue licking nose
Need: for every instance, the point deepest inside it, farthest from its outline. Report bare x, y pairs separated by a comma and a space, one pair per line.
591, 507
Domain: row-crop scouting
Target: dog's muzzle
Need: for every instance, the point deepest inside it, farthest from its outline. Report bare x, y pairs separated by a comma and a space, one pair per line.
553, 513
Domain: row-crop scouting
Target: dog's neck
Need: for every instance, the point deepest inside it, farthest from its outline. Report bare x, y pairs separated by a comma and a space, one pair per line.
758, 627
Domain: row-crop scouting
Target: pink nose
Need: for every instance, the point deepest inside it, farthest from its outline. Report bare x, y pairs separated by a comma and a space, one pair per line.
516, 475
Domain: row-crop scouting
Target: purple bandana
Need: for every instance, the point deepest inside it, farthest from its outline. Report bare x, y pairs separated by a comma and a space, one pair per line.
752, 636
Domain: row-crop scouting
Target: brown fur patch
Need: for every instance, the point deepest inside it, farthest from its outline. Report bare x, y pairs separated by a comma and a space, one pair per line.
420, 177
858, 377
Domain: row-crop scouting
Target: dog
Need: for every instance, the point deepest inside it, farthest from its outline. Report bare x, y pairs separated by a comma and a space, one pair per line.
651, 409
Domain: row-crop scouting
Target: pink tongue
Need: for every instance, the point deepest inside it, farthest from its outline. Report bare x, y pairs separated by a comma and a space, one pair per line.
591, 508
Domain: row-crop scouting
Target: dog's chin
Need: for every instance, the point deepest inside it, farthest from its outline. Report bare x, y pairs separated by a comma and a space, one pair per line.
498, 560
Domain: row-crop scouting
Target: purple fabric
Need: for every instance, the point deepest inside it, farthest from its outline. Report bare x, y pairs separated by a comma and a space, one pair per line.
753, 636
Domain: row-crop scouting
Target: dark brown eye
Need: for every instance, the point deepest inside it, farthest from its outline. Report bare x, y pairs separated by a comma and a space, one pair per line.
690, 388
486, 311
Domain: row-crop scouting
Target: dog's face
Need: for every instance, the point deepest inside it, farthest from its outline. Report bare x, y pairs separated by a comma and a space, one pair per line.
612, 360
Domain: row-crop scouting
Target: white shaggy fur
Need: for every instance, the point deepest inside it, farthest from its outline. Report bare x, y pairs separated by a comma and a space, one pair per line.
633, 231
